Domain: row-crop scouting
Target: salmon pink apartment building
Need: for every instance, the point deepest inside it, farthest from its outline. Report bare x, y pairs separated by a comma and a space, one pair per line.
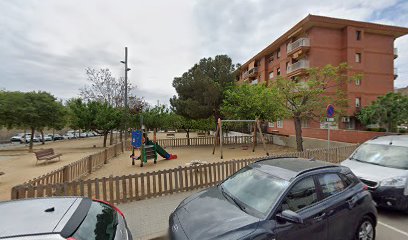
367, 48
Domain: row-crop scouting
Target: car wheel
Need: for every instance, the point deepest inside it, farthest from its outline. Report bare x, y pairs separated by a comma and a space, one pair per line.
365, 230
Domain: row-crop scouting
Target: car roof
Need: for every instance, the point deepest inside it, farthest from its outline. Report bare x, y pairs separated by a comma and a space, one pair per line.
395, 140
289, 168
36, 216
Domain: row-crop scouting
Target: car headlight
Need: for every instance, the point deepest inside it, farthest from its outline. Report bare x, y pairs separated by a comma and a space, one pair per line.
394, 182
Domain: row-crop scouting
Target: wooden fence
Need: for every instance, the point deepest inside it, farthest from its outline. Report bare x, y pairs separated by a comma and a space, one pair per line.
152, 184
205, 141
78, 169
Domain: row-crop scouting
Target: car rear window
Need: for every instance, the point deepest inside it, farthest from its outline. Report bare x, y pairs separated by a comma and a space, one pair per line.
99, 223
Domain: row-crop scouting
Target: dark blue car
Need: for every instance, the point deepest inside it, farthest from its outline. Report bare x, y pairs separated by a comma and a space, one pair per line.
280, 198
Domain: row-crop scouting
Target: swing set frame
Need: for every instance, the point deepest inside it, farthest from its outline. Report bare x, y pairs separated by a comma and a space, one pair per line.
218, 136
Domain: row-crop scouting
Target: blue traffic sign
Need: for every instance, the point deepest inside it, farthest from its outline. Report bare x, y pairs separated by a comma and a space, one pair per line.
330, 111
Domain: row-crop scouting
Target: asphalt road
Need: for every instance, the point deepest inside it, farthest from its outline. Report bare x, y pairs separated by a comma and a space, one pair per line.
392, 225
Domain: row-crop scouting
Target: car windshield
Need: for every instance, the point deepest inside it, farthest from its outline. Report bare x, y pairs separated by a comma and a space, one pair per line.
99, 223
254, 188
383, 155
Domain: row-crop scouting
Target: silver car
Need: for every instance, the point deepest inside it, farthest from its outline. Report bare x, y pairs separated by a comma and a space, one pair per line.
72, 218
382, 164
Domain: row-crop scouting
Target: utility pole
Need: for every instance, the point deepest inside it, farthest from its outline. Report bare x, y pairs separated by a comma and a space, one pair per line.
126, 91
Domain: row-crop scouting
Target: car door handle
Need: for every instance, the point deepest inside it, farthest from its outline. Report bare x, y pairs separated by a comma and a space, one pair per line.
352, 202
320, 217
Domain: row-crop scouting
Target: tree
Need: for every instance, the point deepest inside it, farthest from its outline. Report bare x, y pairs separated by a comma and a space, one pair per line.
201, 89
34, 110
389, 110
154, 118
306, 97
252, 102
93, 115
106, 88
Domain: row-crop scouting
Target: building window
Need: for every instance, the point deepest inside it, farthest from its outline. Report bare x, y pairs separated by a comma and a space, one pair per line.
271, 124
358, 82
278, 72
271, 75
358, 102
279, 123
278, 54
351, 124
305, 123
358, 35
270, 59
358, 57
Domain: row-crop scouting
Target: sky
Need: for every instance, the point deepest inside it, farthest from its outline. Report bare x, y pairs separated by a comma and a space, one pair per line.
46, 44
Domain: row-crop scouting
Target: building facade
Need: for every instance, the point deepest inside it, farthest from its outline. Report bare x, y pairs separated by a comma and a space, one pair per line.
316, 41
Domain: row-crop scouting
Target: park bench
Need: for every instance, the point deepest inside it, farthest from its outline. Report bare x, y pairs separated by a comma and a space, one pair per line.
200, 134
170, 135
46, 154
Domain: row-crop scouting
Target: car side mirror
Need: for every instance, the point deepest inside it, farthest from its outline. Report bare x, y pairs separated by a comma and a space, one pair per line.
290, 216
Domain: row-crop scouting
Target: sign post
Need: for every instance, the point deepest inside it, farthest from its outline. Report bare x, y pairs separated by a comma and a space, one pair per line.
330, 114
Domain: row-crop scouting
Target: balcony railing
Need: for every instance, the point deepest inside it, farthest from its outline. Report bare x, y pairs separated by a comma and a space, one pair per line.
250, 73
395, 53
301, 64
301, 42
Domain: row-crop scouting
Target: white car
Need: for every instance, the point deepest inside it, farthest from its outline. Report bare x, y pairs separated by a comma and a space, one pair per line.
382, 164
17, 138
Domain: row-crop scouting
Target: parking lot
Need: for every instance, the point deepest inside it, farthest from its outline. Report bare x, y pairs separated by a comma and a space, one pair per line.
149, 218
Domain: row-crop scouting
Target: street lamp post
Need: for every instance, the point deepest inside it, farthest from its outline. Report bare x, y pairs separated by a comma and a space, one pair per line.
126, 89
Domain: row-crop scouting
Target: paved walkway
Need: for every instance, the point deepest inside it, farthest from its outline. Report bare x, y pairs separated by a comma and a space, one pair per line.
149, 218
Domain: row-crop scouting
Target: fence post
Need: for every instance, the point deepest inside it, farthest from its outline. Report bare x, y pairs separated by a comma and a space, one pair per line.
65, 174
105, 161
90, 164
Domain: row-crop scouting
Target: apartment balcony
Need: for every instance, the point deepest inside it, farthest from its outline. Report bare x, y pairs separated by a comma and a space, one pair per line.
395, 73
298, 67
251, 73
395, 53
299, 47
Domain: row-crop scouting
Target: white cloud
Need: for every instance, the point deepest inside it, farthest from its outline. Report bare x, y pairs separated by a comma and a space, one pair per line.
47, 44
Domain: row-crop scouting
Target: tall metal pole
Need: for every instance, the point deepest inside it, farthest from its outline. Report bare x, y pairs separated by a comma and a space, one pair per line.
126, 89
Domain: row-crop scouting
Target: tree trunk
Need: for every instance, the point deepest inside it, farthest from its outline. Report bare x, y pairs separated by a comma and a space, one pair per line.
121, 135
42, 137
79, 133
188, 136
105, 137
298, 130
111, 137
30, 149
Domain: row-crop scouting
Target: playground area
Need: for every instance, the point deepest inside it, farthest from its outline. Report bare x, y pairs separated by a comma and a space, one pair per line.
122, 165
19, 165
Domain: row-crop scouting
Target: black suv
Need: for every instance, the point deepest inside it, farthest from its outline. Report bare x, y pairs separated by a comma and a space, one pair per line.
72, 218
279, 198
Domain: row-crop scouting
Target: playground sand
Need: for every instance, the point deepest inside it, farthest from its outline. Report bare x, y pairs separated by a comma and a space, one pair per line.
19, 165
122, 165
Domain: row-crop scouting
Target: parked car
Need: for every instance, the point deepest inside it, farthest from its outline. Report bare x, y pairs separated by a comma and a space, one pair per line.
71, 218
69, 136
83, 135
382, 164
57, 137
47, 138
17, 138
279, 198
